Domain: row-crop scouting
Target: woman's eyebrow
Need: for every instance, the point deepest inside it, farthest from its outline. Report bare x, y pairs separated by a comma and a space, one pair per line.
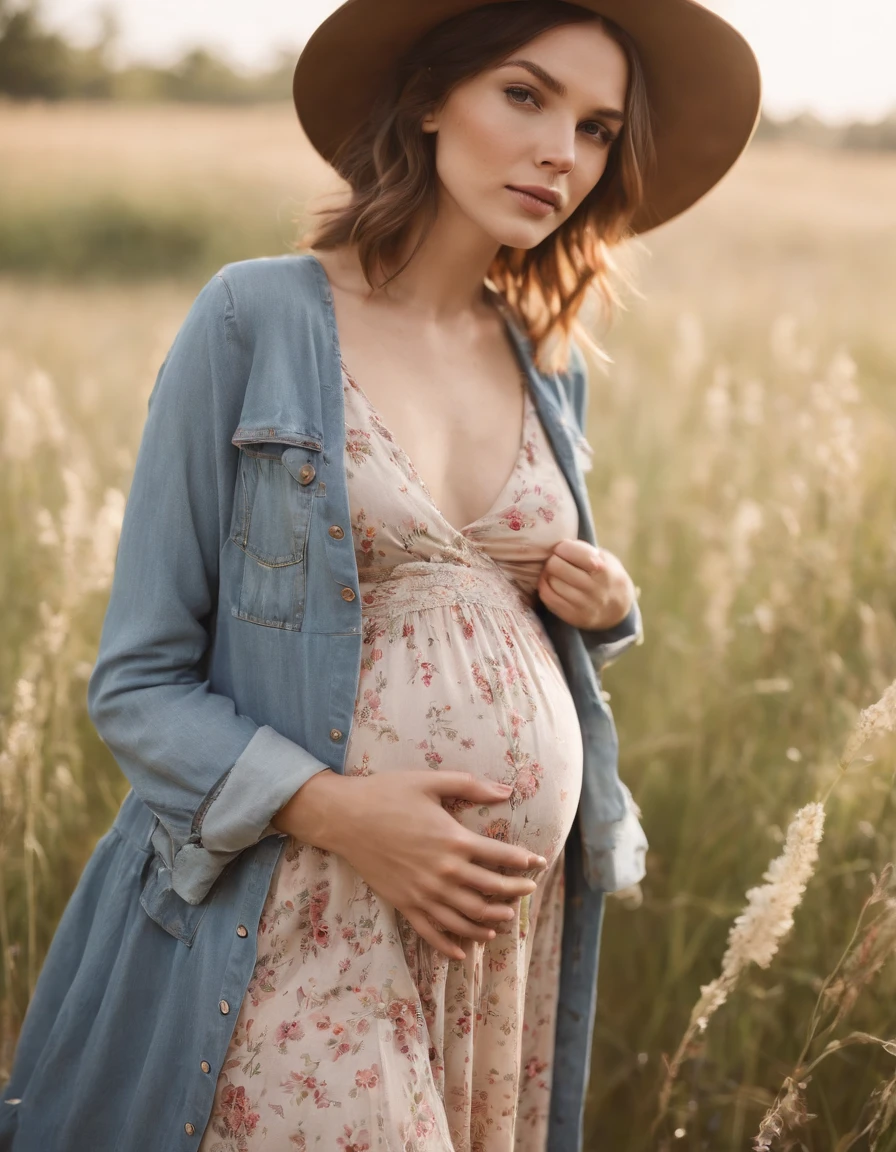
557, 86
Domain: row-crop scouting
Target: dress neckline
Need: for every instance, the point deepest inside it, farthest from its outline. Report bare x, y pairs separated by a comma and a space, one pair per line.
498, 500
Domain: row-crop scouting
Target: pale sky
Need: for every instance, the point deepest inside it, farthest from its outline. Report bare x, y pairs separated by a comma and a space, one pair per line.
834, 59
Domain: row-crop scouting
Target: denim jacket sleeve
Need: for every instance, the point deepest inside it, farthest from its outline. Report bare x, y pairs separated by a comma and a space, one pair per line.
214, 778
604, 645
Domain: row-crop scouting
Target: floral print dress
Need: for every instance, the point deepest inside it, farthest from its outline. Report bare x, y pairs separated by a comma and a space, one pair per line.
355, 1034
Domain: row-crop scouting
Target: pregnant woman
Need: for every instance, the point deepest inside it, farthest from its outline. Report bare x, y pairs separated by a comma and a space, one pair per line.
349, 666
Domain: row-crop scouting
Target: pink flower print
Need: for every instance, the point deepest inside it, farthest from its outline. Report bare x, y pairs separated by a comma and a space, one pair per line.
528, 781
514, 519
289, 1030
426, 1122
357, 444
485, 690
467, 742
432, 758
321, 1021
320, 898
362, 1026
516, 722
407, 630
368, 1077
464, 1023
428, 671
497, 829
341, 1050
403, 1015
354, 1141
373, 702
236, 1111
547, 514
457, 804
321, 1100
263, 985
534, 1067
376, 654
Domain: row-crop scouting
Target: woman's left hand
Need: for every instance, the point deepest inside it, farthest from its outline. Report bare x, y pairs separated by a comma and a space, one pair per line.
585, 586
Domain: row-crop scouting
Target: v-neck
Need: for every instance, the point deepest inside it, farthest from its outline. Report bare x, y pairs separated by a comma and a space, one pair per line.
415, 472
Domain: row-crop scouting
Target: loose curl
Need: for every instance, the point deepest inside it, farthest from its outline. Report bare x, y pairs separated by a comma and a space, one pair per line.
389, 163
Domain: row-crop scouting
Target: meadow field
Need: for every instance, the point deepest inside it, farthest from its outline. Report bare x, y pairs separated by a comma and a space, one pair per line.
745, 441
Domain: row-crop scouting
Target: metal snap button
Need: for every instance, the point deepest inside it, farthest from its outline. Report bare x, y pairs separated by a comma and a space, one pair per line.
205, 1066
189, 1129
335, 734
242, 930
306, 473
224, 1006
347, 594
336, 532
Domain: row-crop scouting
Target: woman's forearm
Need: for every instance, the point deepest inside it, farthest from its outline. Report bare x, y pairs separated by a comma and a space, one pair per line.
316, 813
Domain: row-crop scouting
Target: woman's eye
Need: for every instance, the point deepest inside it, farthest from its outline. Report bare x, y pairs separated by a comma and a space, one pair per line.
525, 92
603, 135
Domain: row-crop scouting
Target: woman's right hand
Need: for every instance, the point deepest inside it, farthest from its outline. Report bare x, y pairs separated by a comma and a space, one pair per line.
392, 829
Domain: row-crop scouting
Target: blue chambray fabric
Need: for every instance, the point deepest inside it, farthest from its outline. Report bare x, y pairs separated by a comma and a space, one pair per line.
226, 676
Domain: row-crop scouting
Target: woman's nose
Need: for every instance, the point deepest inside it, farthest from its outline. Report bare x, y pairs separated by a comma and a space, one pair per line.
558, 147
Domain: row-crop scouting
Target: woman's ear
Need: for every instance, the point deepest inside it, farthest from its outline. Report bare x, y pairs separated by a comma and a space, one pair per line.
430, 122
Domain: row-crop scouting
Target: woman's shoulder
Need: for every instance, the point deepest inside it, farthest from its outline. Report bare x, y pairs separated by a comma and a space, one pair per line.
264, 286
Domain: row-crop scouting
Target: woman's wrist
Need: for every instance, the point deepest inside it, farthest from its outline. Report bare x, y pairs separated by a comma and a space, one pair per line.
315, 814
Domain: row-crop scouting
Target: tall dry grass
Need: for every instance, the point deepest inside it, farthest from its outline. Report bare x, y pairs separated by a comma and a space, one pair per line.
744, 440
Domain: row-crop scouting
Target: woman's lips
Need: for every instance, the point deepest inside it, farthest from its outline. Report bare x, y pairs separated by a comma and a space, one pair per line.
532, 203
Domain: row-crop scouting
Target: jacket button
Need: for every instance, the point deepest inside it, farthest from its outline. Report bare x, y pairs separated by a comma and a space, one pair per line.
189, 1129
347, 594
336, 532
335, 734
224, 1006
306, 473
242, 930
205, 1066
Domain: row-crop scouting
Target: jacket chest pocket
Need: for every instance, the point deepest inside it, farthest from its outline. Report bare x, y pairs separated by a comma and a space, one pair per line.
272, 510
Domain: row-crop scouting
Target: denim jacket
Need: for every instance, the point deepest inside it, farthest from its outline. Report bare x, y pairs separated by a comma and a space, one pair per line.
226, 677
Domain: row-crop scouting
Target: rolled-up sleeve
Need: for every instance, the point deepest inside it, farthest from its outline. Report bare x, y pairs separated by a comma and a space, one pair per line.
604, 645
213, 777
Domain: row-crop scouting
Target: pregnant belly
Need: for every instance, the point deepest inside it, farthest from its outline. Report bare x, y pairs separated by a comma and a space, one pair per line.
473, 687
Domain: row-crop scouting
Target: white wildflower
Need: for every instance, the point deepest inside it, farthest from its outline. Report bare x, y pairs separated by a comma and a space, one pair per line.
876, 720
768, 916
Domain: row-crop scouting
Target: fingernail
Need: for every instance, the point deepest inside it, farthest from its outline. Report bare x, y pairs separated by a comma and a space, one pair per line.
504, 787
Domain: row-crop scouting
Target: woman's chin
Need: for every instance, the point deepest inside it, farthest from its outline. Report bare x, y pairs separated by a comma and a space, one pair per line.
518, 235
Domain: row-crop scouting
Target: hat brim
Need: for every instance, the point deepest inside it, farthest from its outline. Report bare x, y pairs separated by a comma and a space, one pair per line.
703, 83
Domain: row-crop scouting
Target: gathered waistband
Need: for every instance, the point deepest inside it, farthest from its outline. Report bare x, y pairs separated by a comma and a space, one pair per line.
416, 585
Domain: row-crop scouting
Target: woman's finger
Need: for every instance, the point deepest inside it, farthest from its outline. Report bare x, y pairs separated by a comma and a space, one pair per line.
453, 921
571, 574
424, 927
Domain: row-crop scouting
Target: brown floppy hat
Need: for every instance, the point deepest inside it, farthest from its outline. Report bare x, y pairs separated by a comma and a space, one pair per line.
703, 83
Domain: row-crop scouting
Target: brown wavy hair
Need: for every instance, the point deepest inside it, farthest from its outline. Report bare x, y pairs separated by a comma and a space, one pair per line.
389, 163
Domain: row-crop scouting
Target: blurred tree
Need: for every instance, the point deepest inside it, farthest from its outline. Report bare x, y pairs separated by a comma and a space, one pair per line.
32, 62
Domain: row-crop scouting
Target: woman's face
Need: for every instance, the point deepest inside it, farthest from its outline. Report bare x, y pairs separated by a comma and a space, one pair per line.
509, 127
